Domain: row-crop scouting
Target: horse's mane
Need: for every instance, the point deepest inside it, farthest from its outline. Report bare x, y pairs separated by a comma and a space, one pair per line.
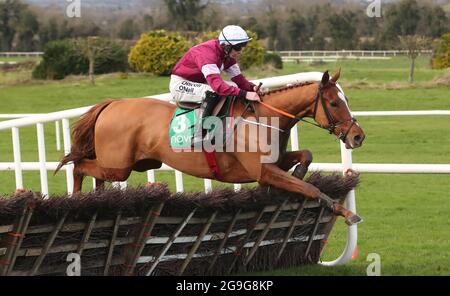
288, 87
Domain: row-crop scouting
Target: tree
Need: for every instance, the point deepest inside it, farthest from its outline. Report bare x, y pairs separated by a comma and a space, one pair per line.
147, 22
27, 31
272, 31
408, 17
413, 44
186, 14
10, 12
433, 21
342, 29
251, 24
127, 29
401, 19
298, 34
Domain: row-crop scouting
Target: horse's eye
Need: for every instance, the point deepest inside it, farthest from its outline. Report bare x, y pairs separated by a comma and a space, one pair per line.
333, 104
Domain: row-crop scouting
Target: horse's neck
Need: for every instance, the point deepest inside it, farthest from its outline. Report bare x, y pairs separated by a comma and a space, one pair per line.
297, 101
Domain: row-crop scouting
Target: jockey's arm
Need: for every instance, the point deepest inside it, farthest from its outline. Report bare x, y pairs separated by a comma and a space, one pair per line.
212, 75
237, 77
224, 89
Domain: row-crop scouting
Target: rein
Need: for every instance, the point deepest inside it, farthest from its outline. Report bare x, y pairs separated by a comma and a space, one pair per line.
331, 122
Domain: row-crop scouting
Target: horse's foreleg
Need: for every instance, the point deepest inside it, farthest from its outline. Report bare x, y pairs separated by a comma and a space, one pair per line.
290, 159
273, 175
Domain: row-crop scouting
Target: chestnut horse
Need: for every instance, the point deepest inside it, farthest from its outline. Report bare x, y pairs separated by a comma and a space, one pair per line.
118, 136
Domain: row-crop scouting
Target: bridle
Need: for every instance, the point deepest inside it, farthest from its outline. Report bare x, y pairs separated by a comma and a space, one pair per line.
332, 124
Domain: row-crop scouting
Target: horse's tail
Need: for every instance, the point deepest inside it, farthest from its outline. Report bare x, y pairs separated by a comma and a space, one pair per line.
83, 136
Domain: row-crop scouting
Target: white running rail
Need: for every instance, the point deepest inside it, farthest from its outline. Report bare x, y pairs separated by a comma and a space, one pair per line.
21, 115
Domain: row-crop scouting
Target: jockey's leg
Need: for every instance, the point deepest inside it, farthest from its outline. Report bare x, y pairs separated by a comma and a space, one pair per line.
207, 107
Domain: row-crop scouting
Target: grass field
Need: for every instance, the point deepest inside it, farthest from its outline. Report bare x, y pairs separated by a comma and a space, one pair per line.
405, 215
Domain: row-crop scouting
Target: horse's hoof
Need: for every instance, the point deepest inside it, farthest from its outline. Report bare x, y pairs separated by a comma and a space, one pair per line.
353, 220
19, 191
153, 185
351, 173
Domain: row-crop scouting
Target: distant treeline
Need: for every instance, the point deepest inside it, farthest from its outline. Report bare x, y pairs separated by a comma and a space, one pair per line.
281, 25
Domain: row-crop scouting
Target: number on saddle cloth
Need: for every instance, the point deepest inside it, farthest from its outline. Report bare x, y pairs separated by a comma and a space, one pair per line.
187, 120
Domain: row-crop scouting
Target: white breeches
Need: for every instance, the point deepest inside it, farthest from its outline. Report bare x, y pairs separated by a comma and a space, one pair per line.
183, 90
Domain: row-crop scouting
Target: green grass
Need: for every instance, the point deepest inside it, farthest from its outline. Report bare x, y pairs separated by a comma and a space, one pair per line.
18, 59
376, 71
407, 228
405, 215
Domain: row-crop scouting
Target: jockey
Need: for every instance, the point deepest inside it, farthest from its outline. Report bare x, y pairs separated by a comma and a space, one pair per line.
198, 71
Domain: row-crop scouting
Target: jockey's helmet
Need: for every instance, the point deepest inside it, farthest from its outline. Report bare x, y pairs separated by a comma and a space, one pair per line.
233, 35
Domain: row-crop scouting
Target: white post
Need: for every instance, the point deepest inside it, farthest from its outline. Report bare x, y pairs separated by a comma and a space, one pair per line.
179, 181
237, 187
151, 176
294, 138
58, 138
67, 147
208, 185
42, 160
17, 158
352, 232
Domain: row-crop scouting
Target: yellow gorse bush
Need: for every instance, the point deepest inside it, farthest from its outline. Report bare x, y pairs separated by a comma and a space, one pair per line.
441, 58
157, 52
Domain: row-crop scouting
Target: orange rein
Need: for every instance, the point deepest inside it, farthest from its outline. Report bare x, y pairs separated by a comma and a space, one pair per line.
278, 110
274, 108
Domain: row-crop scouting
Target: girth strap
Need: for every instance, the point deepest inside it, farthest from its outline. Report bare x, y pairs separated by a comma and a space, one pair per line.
212, 164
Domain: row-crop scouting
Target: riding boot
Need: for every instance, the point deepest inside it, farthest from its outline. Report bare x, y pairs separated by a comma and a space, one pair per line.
207, 107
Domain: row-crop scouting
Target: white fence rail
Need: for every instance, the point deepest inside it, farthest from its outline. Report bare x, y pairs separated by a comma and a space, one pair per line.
21, 54
346, 155
21, 115
291, 55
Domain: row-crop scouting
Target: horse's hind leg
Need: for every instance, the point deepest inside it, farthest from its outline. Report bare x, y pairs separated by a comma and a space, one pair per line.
77, 179
289, 159
89, 167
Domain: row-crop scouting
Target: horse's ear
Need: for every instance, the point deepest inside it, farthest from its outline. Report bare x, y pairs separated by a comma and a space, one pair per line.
325, 78
336, 76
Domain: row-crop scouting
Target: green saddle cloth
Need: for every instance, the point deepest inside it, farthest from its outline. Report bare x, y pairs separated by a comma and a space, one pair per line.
185, 123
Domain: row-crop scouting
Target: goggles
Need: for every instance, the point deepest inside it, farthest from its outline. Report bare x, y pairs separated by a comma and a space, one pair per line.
239, 47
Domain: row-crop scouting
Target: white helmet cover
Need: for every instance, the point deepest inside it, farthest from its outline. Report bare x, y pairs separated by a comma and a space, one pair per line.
233, 35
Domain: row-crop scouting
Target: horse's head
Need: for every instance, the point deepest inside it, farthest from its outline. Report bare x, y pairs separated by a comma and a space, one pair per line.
331, 111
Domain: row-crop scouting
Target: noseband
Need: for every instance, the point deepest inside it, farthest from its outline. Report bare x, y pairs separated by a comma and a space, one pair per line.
332, 124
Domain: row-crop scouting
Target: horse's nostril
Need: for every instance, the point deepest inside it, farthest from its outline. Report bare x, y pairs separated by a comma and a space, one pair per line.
358, 139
